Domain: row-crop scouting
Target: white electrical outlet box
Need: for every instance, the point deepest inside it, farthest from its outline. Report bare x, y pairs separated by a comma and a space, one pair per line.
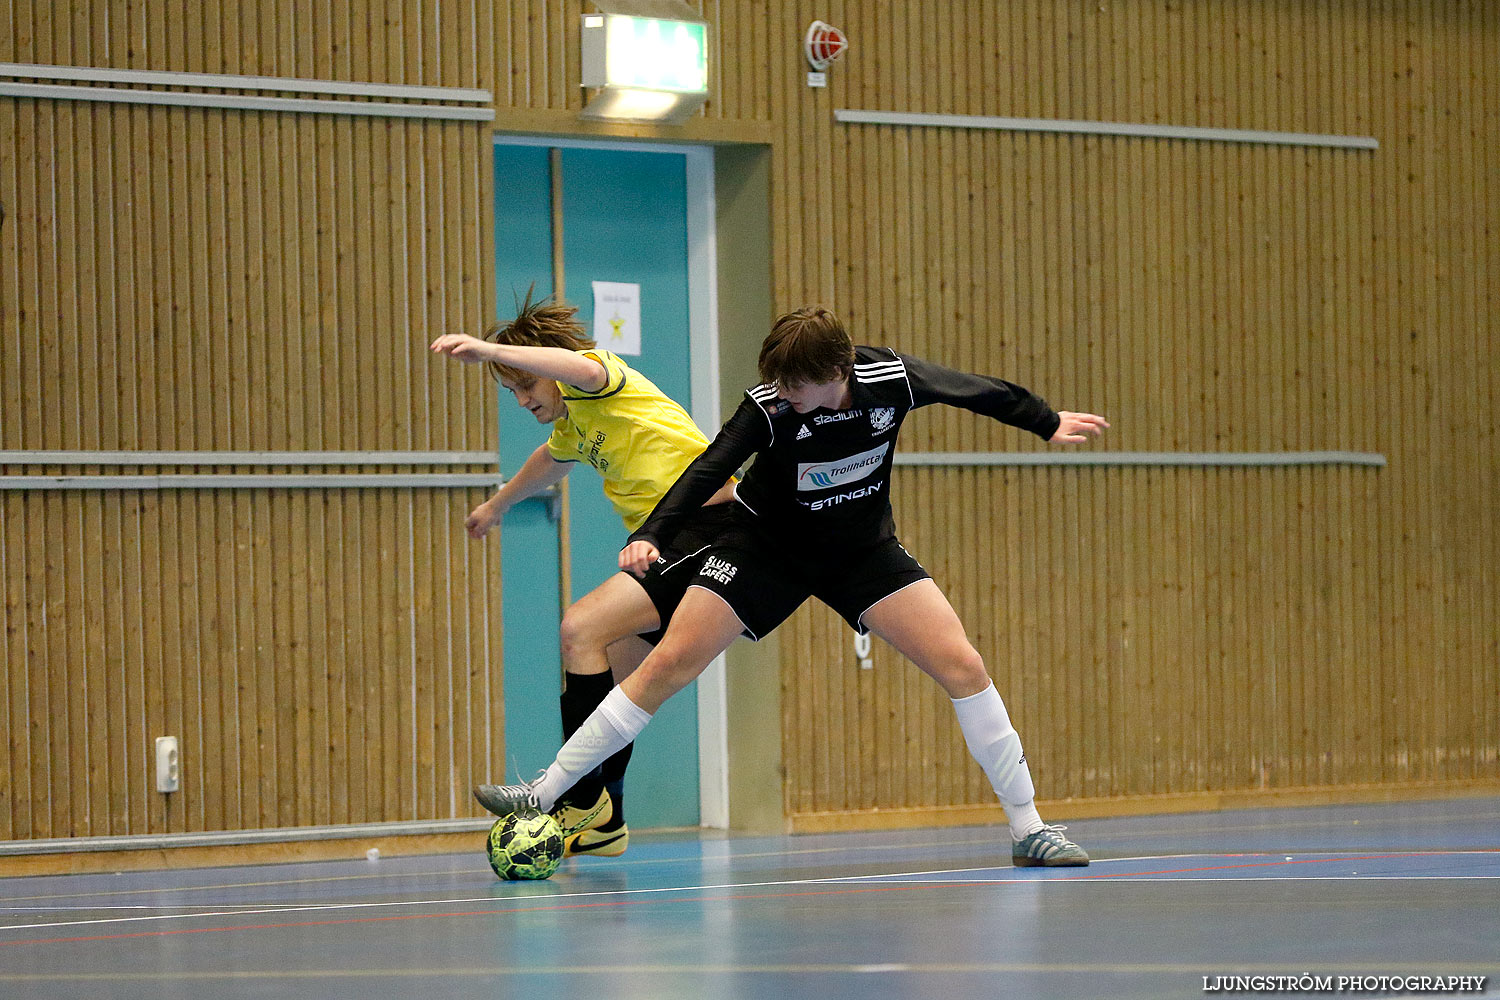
167, 765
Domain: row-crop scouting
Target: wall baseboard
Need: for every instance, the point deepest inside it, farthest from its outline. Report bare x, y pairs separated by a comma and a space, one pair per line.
263, 847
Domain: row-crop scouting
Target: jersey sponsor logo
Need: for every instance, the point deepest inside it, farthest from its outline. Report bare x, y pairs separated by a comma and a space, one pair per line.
804, 433
881, 418
718, 569
833, 418
593, 451
838, 498
827, 475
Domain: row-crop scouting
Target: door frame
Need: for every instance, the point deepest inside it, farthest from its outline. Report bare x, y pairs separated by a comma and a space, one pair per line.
703, 361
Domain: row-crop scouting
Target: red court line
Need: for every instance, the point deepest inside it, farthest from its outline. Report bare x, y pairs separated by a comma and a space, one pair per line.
483, 913
949, 884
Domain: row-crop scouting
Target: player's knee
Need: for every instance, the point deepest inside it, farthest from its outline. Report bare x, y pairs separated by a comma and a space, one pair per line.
672, 666
576, 633
961, 672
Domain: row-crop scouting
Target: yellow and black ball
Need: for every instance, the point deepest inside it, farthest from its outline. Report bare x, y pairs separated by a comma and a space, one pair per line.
525, 845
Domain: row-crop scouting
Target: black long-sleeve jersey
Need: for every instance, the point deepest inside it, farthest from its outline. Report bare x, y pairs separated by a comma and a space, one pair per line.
824, 476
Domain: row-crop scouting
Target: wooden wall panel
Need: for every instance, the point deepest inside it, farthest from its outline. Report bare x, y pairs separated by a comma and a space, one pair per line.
184, 279
190, 279
1156, 631
303, 754
1162, 631
1225, 629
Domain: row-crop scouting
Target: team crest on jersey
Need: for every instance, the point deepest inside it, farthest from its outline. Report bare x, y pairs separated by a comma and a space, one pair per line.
804, 433
881, 418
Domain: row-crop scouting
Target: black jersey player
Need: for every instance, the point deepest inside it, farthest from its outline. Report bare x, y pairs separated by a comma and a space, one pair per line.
813, 518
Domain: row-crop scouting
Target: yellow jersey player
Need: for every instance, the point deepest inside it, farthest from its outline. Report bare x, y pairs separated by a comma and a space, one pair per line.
607, 415
813, 517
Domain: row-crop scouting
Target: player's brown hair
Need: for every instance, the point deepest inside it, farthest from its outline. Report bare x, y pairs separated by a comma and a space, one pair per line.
806, 345
543, 323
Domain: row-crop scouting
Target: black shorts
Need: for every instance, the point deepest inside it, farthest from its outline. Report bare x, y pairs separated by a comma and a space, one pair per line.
763, 579
668, 578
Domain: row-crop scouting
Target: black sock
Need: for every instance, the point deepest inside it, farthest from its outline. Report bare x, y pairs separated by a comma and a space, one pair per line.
582, 694
616, 790
613, 769
612, 774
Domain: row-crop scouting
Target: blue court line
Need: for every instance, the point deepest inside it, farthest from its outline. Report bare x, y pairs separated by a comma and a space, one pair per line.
1239, 867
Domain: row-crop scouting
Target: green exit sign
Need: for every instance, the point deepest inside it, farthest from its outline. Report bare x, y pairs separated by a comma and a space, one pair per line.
645, 53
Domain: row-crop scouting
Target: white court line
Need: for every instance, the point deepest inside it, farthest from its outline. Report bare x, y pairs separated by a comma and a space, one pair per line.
460, 874
327, 907
118, 906
252, 885
899, 877
156, 890
744, 968
1364, 822
705, 858
1207, 878
330, 907
917, 877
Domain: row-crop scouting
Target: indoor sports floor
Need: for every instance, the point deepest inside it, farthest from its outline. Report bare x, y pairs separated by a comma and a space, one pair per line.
1409, 889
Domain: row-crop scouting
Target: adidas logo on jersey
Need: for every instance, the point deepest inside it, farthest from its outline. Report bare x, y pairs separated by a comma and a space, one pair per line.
804, 433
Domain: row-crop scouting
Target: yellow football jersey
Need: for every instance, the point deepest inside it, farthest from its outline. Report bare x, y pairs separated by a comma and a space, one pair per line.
637, 438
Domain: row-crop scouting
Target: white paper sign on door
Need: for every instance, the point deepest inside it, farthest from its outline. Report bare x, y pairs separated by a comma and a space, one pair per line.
617, 317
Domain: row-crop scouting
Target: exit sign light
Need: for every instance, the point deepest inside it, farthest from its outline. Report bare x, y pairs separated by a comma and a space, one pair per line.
646, 69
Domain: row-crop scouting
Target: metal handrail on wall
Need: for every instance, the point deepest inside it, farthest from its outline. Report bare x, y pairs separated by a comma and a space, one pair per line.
1210, 459
137, 81
851, 116
270, 480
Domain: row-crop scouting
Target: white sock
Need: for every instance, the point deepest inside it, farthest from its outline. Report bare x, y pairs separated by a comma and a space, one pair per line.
996, 745
611, 728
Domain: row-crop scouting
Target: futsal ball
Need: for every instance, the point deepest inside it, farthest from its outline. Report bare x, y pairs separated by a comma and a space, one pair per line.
525, 845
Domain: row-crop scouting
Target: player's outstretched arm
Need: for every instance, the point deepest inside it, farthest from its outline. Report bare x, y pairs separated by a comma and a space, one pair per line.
544, 362
539, 471
1074, 428
1000, 400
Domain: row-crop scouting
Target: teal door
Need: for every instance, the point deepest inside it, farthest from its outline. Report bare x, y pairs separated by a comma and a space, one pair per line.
624, 219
